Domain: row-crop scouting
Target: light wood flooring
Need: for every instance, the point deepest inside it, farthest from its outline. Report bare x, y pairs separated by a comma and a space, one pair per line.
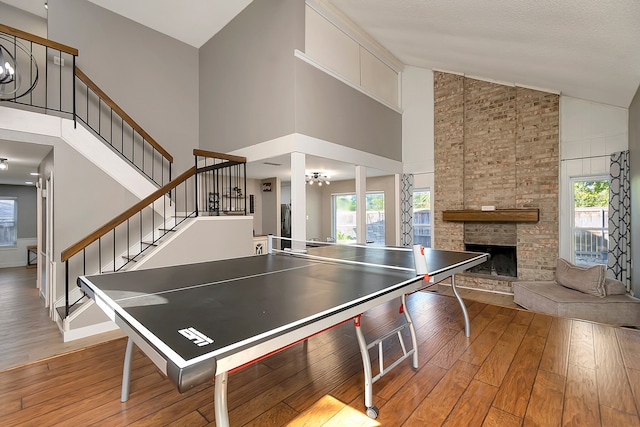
26, 332
517, 369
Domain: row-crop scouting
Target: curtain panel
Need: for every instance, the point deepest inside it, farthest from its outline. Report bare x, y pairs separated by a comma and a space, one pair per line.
619, 263
406, 210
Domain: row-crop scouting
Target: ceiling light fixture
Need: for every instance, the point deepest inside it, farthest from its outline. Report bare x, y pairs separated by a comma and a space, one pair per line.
4, 165
11, 87
317, 177
7, 67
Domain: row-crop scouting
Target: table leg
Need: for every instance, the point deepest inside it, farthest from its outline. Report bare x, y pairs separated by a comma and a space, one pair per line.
412, 330
372, 411
220, 400
467, 327
126, 371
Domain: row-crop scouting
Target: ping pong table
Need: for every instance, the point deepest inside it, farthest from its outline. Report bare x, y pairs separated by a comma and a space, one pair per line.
198, 322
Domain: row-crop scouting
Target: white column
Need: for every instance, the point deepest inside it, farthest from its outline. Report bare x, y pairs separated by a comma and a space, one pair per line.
397, 203
298, 201
361, 204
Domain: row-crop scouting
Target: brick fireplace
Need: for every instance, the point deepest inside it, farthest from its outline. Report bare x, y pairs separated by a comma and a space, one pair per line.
497, 145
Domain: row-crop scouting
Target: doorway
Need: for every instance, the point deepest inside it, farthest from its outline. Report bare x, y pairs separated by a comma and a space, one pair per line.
46, 265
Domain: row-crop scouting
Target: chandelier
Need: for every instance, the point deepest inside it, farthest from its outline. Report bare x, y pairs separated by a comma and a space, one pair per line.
317, 177
10, 77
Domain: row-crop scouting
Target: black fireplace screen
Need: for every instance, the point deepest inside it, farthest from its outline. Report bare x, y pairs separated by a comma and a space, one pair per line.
502, 260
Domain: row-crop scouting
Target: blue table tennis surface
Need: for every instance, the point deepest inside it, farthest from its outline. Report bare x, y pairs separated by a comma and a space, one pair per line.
240, 302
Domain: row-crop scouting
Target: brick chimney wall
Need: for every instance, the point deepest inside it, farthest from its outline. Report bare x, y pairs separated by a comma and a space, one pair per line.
497, 145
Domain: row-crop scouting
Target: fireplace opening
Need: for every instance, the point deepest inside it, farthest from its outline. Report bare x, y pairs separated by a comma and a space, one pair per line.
502, 260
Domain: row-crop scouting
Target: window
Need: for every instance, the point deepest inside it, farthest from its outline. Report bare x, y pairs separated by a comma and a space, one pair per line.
344, 218
422, 217
590, 227
8, 222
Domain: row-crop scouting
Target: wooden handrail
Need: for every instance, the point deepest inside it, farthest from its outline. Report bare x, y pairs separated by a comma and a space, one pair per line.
83, 77
37, 39
205, 153
218, 166
109, 226
94, 87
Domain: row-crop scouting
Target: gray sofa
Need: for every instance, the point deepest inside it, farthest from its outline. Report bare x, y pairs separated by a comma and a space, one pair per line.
580, 293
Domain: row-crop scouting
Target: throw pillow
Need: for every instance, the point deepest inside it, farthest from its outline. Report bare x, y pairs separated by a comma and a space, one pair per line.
589, 280
614, 287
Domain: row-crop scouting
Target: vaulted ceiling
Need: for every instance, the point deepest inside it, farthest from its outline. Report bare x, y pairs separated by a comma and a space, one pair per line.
587, 49
582, 48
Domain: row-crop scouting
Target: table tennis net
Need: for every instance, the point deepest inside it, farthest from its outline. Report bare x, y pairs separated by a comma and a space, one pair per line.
410, 259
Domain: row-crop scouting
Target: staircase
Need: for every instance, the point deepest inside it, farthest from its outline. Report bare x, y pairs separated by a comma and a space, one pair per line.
168, 210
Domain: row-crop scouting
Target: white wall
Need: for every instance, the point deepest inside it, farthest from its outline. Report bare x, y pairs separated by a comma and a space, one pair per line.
589, 133
16, 256
634, 154
417, 121
331, 42
417, 128
201, 240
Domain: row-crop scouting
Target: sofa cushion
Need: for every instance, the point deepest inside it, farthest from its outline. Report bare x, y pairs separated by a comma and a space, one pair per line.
588, 280
614, 287
548, 297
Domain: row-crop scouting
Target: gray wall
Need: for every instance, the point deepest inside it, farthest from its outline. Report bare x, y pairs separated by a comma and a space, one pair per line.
27, 208
153, 77
22, 20
634, 150
37, 25
271, 208
254, 89
330, 110
85, 198
314, 202
247, 74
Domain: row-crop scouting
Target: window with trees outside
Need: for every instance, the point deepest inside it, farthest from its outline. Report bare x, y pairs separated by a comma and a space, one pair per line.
344, 218
590, 221
8, 222
422, 217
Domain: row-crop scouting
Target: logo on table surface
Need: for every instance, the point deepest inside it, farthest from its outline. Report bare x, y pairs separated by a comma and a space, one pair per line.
196, 336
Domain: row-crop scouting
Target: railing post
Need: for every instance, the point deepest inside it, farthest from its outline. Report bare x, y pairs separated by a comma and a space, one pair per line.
73, 76
66, 288
195, 180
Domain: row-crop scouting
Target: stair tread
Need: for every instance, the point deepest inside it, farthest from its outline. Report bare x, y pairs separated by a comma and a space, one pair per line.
61, 310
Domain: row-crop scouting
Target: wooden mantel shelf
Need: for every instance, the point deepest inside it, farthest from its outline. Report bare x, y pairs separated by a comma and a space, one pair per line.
499, 215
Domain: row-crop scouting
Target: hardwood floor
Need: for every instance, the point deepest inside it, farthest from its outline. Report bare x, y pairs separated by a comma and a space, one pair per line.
27, 334
517, 369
